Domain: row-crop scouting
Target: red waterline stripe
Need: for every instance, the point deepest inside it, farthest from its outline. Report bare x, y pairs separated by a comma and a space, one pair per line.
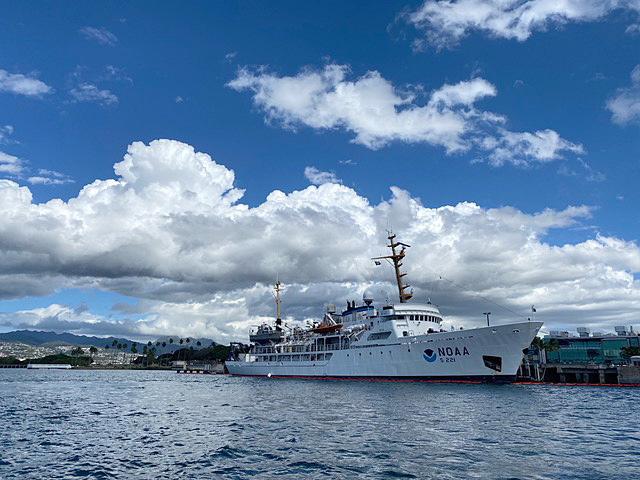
580, 384
364, 379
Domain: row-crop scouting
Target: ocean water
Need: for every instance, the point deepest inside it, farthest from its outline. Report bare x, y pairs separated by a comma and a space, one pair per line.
161, 425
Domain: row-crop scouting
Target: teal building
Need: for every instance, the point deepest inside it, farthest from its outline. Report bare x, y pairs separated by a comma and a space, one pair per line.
606, 349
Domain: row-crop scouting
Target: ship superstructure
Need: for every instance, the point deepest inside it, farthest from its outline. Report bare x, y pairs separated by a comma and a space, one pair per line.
394, 341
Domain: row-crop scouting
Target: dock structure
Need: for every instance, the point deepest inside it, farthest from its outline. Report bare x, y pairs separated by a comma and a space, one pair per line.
202, 368
582, 373
49, 366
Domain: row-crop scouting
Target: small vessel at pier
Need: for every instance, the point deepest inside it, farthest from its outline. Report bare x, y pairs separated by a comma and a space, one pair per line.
401, 341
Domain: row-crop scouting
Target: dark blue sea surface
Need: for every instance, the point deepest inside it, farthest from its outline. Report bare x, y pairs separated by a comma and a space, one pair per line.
161, 425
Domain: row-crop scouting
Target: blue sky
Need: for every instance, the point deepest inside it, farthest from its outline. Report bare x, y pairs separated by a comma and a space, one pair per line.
509, 133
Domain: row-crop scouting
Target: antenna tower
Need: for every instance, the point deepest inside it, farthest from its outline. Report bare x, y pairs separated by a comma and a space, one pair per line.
396, 259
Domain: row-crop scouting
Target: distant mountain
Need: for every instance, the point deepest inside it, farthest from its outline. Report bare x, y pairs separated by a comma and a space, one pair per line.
31, 337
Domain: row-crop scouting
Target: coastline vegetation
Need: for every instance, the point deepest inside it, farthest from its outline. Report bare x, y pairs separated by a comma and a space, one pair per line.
148, 360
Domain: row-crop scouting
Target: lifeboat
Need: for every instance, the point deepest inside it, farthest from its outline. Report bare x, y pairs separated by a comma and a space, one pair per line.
324, 329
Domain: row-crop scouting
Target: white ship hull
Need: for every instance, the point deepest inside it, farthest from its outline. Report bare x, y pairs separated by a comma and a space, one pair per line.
487, 354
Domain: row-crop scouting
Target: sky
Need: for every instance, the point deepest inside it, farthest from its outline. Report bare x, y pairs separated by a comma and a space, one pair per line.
162, 164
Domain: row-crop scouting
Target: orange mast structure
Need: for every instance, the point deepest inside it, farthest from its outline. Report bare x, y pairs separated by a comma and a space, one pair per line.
396, 258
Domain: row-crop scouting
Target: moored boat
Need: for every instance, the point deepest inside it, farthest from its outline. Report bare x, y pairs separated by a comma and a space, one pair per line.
402, 341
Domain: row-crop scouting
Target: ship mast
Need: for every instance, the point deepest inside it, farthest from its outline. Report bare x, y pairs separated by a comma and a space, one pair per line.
278, 299
396, 258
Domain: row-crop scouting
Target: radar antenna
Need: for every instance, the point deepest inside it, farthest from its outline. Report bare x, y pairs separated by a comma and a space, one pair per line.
396, 258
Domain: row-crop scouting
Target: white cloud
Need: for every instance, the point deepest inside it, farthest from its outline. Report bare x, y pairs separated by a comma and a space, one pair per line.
86, 92
446, 22
633, 30
179, 99
625, 104
318, 177
10, 165
524, 148
593, 175
348, 161
101, 35
378, 113
50, 177
170, 231
116, 74
22, 84
5, 132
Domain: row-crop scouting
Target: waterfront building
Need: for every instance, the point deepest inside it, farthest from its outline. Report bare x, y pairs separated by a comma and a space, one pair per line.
586, 358
598, 348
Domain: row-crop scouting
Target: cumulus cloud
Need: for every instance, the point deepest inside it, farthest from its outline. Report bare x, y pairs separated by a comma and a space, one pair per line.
625, 104
100, 35
446, 22
170, 231
86, 92
379, 113
318, 177
22, 84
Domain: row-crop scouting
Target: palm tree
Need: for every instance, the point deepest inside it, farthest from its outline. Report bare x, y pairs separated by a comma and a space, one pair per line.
114, 345
134, 349
151, 355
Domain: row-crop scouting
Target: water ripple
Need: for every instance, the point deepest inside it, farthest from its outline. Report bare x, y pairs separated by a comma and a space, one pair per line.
159, 425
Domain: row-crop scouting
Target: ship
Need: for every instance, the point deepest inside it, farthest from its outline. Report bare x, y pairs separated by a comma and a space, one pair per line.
393, 341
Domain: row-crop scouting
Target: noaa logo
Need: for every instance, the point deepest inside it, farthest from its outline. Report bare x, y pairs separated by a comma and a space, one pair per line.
429, 355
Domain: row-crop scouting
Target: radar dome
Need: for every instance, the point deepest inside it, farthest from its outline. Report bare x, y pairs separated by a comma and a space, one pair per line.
367, 296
